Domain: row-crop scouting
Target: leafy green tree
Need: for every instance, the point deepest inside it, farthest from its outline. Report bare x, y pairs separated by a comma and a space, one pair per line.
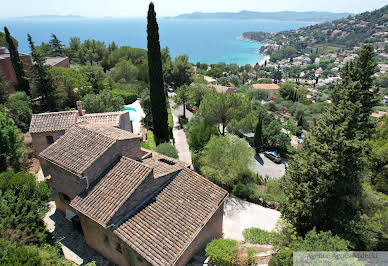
3, 89
199, 133
224, 159
11, 143
323, 180
226, 110
74, 48
56, 45
24, 202
167, 149
198, 91
182, 97
379, 157
43, 82
17, 64
19, 110
124, 72
95, 76
180, 72
157, 92
105, 101
70, 82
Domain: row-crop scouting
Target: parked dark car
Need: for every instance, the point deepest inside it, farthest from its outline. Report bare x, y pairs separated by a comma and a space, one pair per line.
191, 107
273, 156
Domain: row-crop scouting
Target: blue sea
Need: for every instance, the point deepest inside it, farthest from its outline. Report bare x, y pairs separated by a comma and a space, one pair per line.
209, 41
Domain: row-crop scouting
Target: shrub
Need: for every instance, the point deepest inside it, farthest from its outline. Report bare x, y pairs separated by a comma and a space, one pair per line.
183, 120
199, 134
129, 96
20, 110
222, 251
22, 206
150, 143
258, 236
167, 149
313, 241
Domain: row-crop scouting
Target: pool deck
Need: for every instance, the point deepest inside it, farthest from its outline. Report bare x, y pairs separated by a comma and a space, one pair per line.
139, 115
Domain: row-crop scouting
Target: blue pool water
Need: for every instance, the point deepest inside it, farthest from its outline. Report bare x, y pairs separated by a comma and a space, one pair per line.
132, 113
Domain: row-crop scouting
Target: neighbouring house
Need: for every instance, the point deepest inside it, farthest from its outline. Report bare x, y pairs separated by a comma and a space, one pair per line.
46, 128
6, 68
134, 206
210, 80
224, 89
271, 88
58, 62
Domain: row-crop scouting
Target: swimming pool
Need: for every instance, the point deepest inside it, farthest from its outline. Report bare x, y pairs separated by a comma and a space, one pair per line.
132, 113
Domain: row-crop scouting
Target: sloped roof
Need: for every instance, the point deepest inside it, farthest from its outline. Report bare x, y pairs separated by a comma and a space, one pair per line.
266, 86
56, 121
162, 229
163, 165
101, 201
109, 131
78, 149
224, 89
109, 119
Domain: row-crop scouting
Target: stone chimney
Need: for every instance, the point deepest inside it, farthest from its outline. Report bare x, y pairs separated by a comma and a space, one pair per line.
81, 112
3, 50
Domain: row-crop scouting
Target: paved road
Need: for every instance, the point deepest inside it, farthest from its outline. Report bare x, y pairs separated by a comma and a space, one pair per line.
180, 138
179, 109
240, 214
265, 167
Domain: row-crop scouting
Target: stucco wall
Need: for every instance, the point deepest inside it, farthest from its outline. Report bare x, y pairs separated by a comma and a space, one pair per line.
129, 148
7, 69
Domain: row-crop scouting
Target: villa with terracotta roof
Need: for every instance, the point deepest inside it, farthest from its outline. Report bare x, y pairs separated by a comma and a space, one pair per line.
135, 207
46, 128
271, 88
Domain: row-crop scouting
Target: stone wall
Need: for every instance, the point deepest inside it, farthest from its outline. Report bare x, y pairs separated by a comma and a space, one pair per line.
129, 148
109, 245
7, 70
39, 140
212, 230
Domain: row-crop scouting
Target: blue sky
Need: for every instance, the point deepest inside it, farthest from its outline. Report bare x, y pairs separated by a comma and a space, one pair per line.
138, 8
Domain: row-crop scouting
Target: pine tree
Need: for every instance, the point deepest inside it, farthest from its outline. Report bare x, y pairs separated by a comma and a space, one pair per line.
323, 183
157, 92
43, 81
56, 45
258, 138
17, 64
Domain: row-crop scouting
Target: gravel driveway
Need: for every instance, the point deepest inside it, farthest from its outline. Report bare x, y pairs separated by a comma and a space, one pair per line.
265, 167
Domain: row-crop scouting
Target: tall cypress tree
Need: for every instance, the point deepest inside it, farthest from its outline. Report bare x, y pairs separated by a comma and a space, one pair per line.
258, 138
43, 81
17, 64
157, 92
323, 180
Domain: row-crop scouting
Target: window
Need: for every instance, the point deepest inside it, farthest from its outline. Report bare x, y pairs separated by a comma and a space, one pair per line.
49, 139
167, 161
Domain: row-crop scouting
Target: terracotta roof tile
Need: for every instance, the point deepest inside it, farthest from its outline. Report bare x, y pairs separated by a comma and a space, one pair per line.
101, 201
48, 122
110, 119
109, 131
78, 149
163, 165
266, 86
169, 222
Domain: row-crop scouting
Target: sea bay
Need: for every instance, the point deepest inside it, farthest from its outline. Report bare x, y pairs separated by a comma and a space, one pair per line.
210, 41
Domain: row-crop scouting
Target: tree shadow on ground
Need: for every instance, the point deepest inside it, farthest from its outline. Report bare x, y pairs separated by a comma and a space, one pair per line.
70, 237
259, 159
